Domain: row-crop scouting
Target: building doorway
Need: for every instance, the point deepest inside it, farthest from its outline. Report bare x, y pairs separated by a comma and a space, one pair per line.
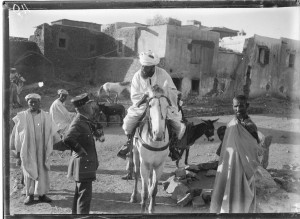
195, 86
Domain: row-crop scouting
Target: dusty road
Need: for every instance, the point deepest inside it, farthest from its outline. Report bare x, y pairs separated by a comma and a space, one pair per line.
111, 194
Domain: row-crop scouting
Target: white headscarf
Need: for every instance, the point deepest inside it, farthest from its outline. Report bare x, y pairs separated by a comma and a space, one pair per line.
32, 96
62, 91
149, 58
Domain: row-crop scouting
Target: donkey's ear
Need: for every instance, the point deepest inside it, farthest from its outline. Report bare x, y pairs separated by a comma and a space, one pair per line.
215, 120
204, 120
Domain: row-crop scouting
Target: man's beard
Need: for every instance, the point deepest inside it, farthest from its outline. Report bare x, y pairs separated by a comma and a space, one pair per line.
147, 75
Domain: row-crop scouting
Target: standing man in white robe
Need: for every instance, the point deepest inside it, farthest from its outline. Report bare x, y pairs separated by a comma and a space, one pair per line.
59, 113
32, 138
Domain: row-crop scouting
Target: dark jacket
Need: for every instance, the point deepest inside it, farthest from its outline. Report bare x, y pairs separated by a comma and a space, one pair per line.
80, 136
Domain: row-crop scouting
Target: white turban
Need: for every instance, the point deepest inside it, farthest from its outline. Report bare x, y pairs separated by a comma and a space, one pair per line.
149, 58
62, 91
32, 96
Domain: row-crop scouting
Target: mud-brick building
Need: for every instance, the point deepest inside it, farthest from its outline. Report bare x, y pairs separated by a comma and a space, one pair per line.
272, 66
228, 77
29, 61
267, 66
187, 53
289, 70
73, 46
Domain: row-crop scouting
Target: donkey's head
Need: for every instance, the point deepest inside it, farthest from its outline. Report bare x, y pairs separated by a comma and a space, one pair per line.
209, 131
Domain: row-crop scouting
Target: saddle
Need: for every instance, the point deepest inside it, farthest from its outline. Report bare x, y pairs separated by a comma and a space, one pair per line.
185, 141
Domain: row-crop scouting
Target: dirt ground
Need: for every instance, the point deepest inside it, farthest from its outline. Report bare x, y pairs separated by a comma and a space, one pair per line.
111, 194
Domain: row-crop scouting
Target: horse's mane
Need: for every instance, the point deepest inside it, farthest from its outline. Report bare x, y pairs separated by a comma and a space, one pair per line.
125, 83
157, 89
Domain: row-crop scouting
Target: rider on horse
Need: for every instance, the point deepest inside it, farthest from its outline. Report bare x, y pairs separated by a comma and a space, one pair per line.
148, 76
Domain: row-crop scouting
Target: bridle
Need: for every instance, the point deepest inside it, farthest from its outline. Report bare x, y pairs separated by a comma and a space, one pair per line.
147, 118
155, 97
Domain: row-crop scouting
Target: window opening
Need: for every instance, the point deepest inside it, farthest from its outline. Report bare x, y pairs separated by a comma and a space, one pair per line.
263, 55
62, 43
195, 86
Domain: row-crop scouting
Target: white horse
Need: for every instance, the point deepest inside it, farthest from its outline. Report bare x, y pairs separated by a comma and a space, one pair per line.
116, 88
151, 147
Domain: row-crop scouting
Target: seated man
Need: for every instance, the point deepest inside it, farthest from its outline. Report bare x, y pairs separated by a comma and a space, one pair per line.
148, 76
234, 188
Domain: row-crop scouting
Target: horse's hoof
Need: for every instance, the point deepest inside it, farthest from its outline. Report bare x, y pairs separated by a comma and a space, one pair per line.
133, 200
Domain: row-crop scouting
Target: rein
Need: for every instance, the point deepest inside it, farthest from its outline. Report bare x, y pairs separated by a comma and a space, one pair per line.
150, 148
143, 122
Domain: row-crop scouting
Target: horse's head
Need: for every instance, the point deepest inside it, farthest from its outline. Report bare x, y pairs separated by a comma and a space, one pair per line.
158, 104
209, 131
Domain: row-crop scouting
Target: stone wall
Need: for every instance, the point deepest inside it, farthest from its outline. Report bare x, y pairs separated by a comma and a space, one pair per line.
271, 75
128, 40
115, 69
183, 43
75, 60
289, 70
228, 78
263, 73
152, 38
27, 58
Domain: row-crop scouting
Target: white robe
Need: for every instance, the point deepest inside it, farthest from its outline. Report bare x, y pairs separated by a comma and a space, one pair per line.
139, 87
32, 136
61, 116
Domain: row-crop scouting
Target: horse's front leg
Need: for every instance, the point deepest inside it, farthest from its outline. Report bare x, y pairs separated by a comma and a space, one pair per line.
153, 189
187, 151
136, 162
144, 193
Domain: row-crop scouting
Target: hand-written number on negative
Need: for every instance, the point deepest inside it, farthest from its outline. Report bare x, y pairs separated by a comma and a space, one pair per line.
20, 10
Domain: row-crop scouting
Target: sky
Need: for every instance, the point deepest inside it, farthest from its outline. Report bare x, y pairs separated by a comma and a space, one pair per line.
270, 22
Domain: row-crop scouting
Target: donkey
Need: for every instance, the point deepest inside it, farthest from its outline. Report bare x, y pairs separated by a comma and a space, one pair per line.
193, 132
110, 110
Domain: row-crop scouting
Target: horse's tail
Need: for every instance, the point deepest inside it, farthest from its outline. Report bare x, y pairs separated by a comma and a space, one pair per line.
100, 90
